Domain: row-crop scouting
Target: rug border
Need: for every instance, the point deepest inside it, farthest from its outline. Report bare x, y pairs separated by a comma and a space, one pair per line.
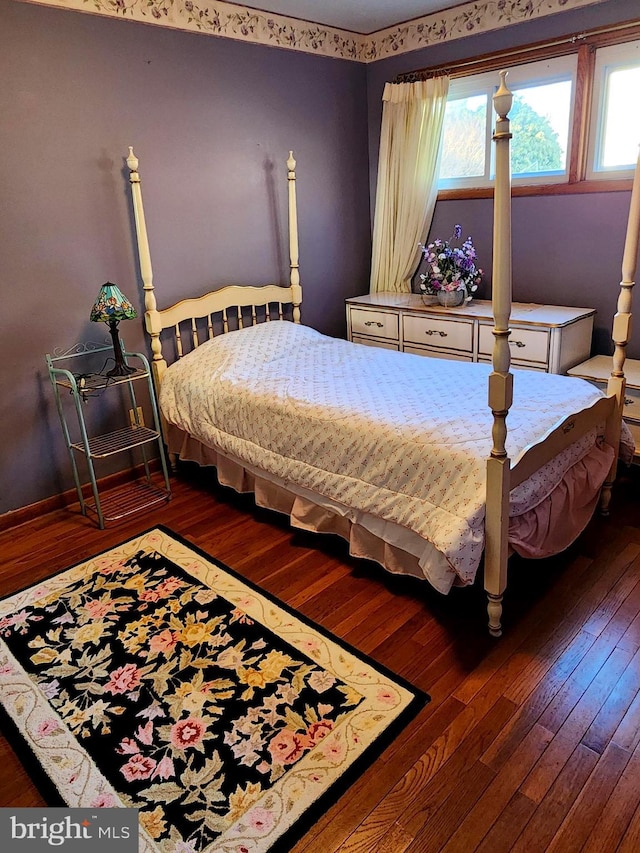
41, 780
420, 699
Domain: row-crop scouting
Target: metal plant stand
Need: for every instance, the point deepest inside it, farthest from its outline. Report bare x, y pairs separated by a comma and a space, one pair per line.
134, 496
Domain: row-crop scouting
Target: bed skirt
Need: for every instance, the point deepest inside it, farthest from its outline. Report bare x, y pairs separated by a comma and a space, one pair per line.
390, 547
545, 530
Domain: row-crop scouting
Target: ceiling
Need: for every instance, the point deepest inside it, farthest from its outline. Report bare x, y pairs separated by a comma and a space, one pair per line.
357, 16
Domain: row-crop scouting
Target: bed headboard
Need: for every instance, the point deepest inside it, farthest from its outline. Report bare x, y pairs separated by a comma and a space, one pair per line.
218, 311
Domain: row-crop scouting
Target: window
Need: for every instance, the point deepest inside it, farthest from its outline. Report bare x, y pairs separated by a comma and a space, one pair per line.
541, 119
465, 146
615, 127
563, 133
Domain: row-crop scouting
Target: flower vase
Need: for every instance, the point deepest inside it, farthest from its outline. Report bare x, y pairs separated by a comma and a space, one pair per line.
450, 298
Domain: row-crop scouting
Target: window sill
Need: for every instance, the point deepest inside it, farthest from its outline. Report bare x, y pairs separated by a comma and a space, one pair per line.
604, 186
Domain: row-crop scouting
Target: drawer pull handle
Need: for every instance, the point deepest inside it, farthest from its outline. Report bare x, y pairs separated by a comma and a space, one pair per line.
436, 332
568, 427
628, 401
373, 323
517, 343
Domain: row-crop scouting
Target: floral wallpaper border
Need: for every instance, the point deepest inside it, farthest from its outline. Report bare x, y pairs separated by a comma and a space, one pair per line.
230, 20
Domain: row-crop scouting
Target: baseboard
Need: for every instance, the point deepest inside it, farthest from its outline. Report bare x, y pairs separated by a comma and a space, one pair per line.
15, 517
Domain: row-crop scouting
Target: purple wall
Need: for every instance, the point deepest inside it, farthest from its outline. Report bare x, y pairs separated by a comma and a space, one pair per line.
212, 121
567, 250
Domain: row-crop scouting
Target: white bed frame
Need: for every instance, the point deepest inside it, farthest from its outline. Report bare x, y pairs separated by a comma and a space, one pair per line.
502, 474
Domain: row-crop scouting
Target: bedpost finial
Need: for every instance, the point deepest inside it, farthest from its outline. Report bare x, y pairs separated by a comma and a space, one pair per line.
503, 98
291, 163
132, 160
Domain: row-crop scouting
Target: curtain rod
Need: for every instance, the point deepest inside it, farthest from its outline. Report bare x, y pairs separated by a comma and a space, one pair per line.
456, 69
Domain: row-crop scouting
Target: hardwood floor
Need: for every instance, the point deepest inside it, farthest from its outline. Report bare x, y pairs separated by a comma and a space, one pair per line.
530, 743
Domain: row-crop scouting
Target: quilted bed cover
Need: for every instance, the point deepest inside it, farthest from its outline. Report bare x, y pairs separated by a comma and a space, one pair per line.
402, 437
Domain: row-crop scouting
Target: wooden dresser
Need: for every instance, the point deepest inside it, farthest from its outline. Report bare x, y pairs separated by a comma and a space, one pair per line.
598, 369
552, 338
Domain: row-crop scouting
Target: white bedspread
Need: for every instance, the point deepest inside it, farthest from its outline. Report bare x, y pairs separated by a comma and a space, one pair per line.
402, 437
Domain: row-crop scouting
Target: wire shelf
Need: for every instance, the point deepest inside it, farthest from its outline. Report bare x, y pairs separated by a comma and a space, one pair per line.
91, 382
115, 442
128, 499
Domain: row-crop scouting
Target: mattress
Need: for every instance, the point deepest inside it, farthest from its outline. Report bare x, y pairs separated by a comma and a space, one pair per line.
391, 436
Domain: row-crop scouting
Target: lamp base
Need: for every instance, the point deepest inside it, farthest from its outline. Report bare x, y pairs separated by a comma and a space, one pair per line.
120, 368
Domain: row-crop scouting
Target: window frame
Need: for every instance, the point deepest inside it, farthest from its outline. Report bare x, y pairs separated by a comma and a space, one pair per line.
608, 58
585, 45
522, 76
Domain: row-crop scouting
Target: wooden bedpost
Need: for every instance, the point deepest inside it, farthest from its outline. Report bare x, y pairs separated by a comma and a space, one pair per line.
151, 316
501, 379
621, 333
294, 279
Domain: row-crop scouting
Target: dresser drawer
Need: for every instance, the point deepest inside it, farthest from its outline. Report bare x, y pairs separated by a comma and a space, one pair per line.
526, 345
433, 353
437, 333
378, 323
520, 365
371, 342
631, 409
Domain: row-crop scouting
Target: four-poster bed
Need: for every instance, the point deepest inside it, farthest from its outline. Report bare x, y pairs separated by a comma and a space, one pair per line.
331, 448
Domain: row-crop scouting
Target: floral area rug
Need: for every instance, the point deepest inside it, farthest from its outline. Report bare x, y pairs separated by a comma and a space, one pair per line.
153, 677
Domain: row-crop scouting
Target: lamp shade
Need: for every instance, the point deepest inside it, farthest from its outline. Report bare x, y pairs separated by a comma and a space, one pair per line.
112, 304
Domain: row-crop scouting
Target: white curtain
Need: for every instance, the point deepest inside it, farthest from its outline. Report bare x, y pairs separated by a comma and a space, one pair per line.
412, 119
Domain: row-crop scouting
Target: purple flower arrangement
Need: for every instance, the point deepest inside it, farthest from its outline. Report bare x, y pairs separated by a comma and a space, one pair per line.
450, 266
